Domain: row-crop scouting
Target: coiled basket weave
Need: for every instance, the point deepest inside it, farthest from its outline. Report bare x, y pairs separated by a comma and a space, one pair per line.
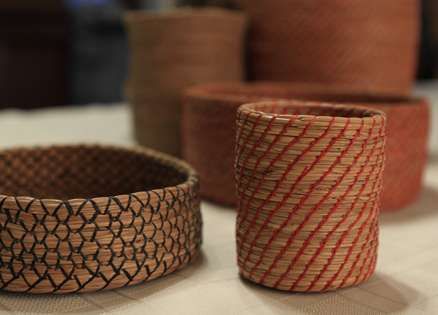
170, 52
209, 134
309, 178
352, 44
86, 218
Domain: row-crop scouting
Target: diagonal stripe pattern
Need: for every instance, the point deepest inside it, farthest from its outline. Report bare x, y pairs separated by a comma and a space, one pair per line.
309, 180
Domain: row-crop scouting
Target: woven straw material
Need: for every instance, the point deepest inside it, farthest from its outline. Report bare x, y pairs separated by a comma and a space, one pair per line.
309, 178
209, 134
406, 151
351, 44
60, 234
170, 52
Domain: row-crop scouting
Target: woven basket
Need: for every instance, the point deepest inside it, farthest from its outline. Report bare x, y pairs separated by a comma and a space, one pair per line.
351, 44
59, 234
309, 178
209, 132
170, 52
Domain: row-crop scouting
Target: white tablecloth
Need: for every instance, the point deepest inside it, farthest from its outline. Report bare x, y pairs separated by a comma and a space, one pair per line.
406, 281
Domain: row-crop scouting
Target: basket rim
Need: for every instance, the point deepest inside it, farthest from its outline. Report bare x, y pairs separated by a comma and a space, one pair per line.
253, 92
181, 13
164, 159
369, 114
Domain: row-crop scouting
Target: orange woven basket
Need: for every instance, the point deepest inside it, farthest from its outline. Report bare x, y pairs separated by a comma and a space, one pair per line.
209, 134
87, 218
351, 44
170, 52
309, 178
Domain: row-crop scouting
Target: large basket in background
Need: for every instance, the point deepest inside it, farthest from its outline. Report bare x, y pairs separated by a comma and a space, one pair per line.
309, 178
87, 218
170, 52
209, 134
352, 44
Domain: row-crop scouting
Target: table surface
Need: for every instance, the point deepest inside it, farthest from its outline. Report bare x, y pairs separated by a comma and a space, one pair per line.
406, 280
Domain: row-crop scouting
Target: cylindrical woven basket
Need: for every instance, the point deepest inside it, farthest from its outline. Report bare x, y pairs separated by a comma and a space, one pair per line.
87, 218
209, 134
351, 44
309, 178
170, 52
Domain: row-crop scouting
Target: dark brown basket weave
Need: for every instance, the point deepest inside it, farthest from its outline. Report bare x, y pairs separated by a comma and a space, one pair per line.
351, 44
208, 134
170, 52
87, 218
309, 178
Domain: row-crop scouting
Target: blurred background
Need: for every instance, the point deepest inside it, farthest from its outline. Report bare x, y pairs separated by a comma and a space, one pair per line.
60, 52
63, 52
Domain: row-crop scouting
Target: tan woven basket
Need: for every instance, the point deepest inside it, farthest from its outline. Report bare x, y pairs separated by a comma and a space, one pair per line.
170, 52
59, 234
209, 132
351, 44
309, 178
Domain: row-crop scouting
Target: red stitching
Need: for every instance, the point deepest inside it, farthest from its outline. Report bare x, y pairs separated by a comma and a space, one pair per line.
350, 250
277, 137
367, 241
331, 211
349, 211
364, 270
298, 206
375, 211
278, 183
371, 268
272, 193
244, 213
329, 283
359, 255
259, 116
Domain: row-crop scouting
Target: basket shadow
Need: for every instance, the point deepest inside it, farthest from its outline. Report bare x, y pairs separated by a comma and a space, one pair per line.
399, 295
370, 295
424, 207
433, 158
94, 303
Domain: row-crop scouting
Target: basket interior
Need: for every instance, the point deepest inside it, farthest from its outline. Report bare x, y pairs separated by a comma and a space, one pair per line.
360, 99
310, 93
284, 108
82, 172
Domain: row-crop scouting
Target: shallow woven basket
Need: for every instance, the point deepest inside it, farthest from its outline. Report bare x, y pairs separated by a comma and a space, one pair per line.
209, 134
87, 218
309, 178
170, 52
351, 44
